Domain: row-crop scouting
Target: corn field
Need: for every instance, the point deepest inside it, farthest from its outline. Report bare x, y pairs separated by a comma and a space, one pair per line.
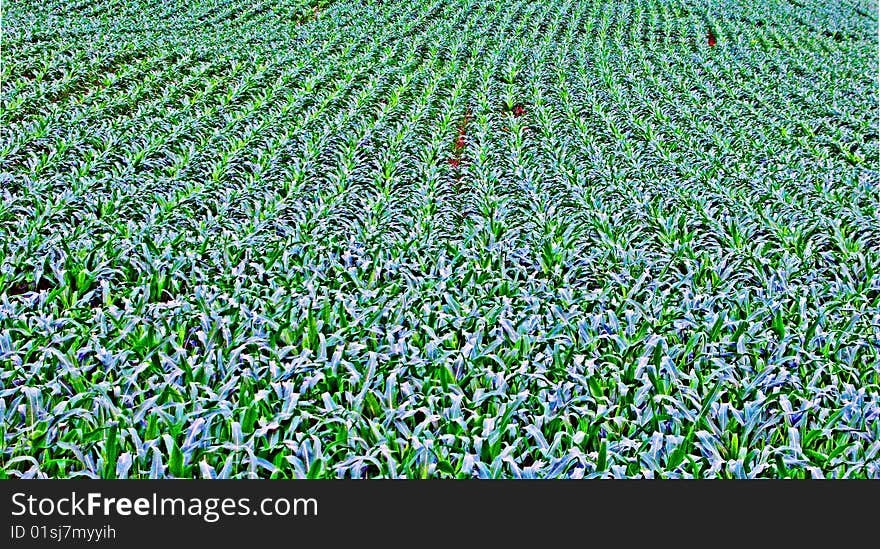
439, 238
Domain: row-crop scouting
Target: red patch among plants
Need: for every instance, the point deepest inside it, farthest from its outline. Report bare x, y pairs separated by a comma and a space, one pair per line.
516, 110
460, 141
711, 38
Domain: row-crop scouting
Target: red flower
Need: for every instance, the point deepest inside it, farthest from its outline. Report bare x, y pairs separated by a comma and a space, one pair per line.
711, 38
454, 162
518, 111
460, 143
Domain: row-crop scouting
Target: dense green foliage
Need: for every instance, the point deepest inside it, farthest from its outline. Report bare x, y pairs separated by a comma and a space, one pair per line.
440, 238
